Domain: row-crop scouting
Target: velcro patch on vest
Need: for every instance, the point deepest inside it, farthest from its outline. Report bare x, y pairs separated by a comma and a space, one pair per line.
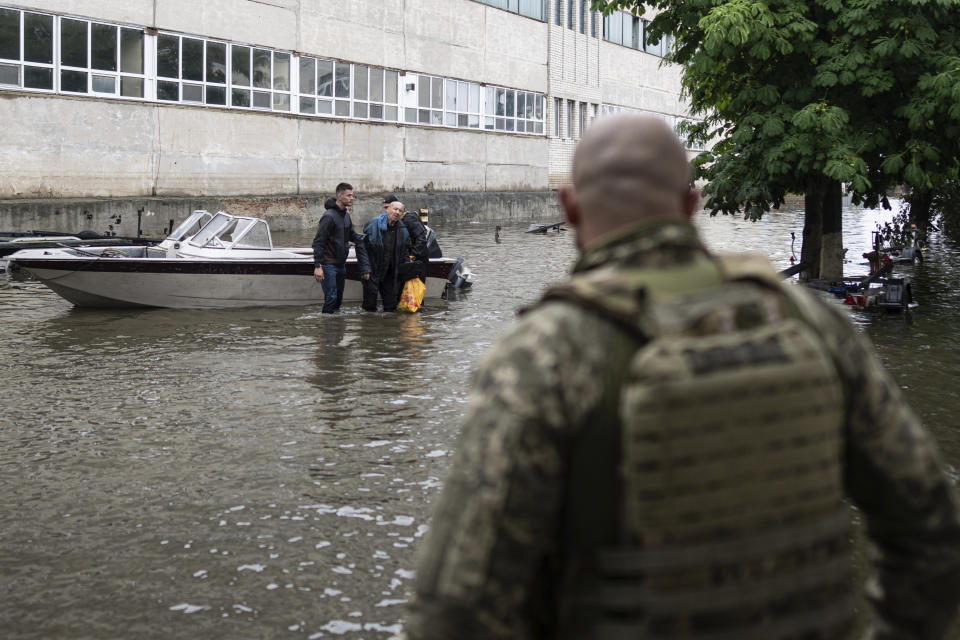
739, 355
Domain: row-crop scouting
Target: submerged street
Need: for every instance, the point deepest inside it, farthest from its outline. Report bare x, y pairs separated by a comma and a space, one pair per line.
268, 473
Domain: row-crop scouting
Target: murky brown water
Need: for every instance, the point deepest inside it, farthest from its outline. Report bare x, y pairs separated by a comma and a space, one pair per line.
268, 473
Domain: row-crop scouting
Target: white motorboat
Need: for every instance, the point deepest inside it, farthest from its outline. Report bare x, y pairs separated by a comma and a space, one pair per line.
209, 261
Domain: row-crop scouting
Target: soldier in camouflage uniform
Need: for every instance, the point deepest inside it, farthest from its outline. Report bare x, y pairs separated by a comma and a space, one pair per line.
663, 447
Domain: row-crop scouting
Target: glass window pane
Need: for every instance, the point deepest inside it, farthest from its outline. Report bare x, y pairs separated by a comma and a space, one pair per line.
104, 84
342, 87
103, 47
462, 90
423, 116
533, 9
192, 59
261, 99
131, 51
376, 111
216, 95
450, 119
75, 81
261, 71
390, 82
360, 79
423, 91
217, 63
359, 109
168, 91
490, 102
390, 113
343, 108
193, 92
281, 101
73, 43
376, 85
37, 40
240, 66
168, 56
436, 117
473, 122
474, 98
410, 115
131, 87
510, 122
10, 36
521, 104
325, 78
308, 77
436, 93
240, 98
501, 102
462, 120
325, 107
308, 105
38, 78
451, 101
10, 74
281, 73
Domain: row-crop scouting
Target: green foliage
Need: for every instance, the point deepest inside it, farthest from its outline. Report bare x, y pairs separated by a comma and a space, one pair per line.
898, 232
794, 93
946, 208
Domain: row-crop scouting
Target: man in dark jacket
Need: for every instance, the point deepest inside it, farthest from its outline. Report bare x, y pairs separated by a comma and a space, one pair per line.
331, 245
393, 238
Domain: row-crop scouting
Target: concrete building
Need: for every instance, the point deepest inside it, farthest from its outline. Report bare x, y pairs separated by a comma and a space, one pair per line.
121, 106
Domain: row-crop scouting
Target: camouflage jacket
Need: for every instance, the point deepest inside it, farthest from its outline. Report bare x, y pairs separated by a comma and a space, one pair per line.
489, 567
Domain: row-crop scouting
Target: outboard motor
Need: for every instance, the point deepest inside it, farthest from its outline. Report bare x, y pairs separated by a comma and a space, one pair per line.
460, 276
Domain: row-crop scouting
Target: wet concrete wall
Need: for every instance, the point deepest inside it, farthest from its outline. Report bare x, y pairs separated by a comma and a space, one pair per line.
82, 148
153, 216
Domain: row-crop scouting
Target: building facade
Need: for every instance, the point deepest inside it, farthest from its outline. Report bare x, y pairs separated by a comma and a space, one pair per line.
130, 99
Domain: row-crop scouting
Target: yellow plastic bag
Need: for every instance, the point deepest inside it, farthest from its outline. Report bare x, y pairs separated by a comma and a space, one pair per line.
411, 299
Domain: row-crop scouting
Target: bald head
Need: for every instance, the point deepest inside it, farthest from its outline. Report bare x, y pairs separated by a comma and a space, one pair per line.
626, 169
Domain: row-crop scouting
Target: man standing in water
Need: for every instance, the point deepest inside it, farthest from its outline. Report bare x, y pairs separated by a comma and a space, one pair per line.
664, 445
331, 246
389, 238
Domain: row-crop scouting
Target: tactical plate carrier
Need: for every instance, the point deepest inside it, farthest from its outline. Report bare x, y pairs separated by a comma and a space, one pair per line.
724, 518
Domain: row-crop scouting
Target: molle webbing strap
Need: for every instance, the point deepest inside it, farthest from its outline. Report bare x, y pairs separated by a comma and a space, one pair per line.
635, 562
616, 596
834, 617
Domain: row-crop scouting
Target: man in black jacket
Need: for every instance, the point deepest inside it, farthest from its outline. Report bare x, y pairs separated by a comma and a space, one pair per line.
393, 238
330, 246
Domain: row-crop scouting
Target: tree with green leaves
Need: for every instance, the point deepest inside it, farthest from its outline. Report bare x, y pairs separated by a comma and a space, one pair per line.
804, 96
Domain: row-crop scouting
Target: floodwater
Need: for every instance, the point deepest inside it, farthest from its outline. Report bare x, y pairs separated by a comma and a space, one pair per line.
268, 473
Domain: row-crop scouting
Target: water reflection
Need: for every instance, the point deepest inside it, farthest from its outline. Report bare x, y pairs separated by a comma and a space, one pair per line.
248, 473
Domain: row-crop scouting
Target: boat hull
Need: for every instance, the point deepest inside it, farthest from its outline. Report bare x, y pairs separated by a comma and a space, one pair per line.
197, 284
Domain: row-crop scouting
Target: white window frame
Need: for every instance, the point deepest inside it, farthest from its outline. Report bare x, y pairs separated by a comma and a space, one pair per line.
450, 102
22, 64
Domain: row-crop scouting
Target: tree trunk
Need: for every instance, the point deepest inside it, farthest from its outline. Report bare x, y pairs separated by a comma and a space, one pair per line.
831, 253
812, 232
921, 205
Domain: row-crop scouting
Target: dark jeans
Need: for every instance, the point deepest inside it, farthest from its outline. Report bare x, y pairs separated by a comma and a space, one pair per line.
386, 287
334, 280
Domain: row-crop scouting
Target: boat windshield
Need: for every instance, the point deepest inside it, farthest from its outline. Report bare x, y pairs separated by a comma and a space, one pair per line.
255, 235
226, 231
211, 230
190, 226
